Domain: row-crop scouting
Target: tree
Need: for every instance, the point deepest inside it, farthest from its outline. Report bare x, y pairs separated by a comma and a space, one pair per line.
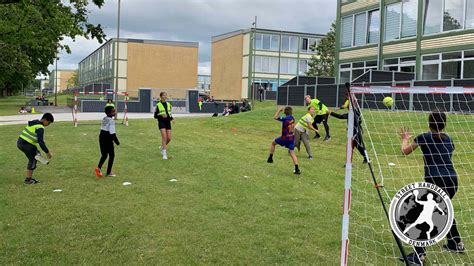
322, 63
73, 81
31, 32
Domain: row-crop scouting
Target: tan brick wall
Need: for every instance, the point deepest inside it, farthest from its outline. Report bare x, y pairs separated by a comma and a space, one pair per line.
448, 41
226, 71
161, 67
399, 48
64, 78
358, 53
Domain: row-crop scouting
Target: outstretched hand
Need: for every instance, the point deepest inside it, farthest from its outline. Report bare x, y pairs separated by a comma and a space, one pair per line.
404, 133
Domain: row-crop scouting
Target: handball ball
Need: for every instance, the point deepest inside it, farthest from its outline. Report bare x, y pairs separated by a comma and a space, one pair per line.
388, 102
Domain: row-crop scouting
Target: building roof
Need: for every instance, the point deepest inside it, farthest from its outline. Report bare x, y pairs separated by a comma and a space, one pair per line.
157, 42
260, 30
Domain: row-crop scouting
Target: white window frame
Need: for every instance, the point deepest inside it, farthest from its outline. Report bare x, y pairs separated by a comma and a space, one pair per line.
441, 30
400, 37
366, 42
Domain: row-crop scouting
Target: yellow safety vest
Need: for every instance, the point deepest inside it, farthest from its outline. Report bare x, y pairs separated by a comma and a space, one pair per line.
110, 104
302, 122
345, 105
29, 134
161, 108
324, 110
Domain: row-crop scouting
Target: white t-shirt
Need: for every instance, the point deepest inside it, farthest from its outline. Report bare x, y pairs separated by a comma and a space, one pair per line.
108, 124
300, 128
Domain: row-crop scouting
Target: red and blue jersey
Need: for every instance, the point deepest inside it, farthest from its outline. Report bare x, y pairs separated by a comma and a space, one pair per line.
288, 124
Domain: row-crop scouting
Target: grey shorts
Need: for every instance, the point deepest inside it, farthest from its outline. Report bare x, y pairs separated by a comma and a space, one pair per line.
30, 151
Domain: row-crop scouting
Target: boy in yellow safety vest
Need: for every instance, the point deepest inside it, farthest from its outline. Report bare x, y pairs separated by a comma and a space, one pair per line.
302, 130
30, 139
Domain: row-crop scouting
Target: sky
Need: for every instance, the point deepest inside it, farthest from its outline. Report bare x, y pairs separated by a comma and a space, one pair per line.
198, 21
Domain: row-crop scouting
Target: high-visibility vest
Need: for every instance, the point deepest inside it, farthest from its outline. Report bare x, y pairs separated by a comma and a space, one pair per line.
324, 110
29, 134
345, 105
161, 108
302, 122
315, 103
110, 104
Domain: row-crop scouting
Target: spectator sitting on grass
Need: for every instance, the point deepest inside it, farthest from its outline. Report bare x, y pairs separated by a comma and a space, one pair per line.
22, 110
234, 108
226, 110
245, 106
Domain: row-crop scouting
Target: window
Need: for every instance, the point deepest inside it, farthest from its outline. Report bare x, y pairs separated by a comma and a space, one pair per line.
289, 43
468, 72
266, 64
303, 67
275, 45
266, 42
430, 72
452, 65
308, 44
453, 16
288, 66
374, 26
409, 18
432, 21
349, 72
346, 33
451, 70
469, 14
258, 41
392, 21
304, 44
273, 65
360, 29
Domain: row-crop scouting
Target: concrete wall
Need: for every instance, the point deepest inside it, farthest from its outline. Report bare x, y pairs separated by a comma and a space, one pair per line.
226, 71
161, 66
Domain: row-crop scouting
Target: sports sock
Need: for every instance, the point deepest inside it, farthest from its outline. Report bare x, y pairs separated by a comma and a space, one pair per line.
270, 156
296, 167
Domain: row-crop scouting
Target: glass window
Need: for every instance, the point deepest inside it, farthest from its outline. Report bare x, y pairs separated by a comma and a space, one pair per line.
374, 26
266, 42
356, 73
265, 64
346, 40
451, 70
358, 64
304, 44
409, 18
313, 43
303, 67
468, 69
407, 60
273, 64
432, 17
392, 61
410, 69
292, 66
293, 44
430, 72
390, 68
258, 64
469, 14
258, 41
360, 30
344, 76
392, 22
454, 55
469, 54
285, 43
430, 57
453, 17
275, 43
284, 65
371, 63
346, 66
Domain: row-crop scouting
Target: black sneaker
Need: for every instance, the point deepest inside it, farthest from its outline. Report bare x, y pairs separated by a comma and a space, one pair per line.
317, 136
296, 172
365, 161
270, 160
327, 138
459, 248
30, 181
414, 259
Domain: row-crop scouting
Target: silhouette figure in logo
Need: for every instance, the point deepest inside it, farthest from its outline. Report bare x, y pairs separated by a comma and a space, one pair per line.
426, 216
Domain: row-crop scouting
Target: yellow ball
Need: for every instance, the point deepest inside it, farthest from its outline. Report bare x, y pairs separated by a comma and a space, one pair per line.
388, 101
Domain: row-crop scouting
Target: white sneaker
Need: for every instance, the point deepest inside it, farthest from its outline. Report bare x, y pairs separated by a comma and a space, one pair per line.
41, 159
165, 156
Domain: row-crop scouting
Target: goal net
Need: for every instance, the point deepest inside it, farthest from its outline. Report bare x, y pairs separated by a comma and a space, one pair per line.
98, 101
366, 234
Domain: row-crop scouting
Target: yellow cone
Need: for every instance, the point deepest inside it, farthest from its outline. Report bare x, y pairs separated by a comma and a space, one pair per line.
33, 111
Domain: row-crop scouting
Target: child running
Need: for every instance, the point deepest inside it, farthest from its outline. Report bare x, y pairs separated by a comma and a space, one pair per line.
302, 129
437, 148
107, 138
287, 138
30, 139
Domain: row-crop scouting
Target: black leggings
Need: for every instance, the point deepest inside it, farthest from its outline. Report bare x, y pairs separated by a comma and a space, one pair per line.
450, 186
322, 118
357, 136
106, 149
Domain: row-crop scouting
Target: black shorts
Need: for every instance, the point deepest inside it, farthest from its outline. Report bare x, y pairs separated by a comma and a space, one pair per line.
164, 124
320, 118
30, 151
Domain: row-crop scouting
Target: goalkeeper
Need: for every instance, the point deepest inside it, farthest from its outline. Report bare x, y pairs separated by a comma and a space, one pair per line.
437, 148
322, 115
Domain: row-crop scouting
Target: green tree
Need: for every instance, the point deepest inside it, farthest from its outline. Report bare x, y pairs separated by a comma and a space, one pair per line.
73, 80
322, 63
31, 32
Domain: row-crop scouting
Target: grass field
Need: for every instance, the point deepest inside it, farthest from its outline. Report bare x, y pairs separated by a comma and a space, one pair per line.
10, 105
228, 206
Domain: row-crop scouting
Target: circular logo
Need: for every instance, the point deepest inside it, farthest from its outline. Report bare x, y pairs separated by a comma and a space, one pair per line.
421, 214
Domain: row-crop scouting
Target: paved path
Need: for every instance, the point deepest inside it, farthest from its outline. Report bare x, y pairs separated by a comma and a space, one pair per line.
67, 117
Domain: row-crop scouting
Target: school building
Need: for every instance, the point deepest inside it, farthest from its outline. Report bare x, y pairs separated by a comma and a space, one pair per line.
279, 56
433, 39
165, 65
60, 79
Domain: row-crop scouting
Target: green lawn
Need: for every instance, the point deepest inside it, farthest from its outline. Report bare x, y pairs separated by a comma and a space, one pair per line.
228, 206
10, 105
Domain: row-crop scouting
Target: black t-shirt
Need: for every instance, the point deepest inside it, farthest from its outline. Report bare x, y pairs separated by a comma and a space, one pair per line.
437, 152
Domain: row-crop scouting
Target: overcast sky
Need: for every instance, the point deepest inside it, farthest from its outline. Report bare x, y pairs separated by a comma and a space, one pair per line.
198, 21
